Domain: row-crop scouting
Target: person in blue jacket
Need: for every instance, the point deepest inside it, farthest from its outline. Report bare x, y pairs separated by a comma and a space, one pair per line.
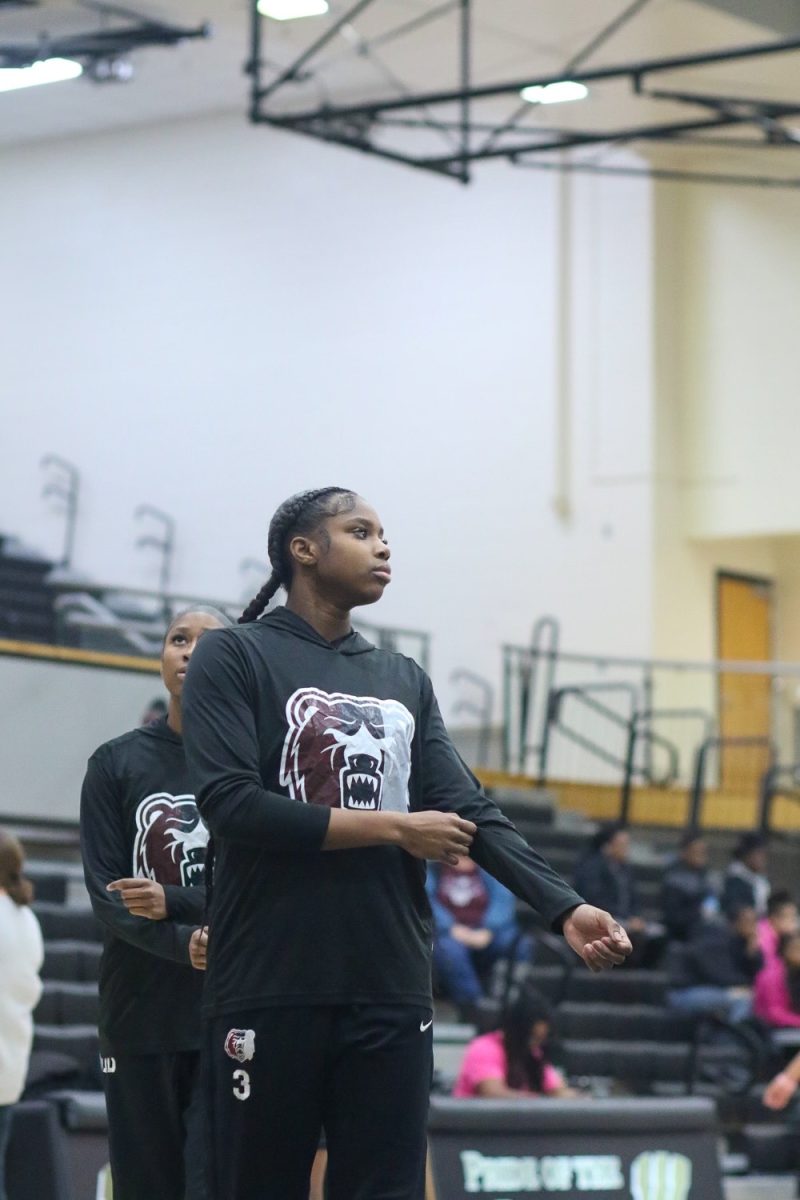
475, 925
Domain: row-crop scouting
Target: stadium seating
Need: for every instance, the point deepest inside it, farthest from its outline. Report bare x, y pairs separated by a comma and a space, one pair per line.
37, 1166
613, 1031
61, 922
71, 961
67, 1004
26, 602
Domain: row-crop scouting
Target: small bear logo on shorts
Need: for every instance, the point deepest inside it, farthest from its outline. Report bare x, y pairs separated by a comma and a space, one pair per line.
240, 1044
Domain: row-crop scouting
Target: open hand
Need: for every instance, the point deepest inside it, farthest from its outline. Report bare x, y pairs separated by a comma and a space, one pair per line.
141, 897
198, 949
596, 937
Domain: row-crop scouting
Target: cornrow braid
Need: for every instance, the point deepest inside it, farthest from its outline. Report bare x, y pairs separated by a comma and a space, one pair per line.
260, 601
302, 513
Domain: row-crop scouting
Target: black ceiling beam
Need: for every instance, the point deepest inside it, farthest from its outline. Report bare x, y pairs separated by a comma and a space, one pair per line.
604, 35
635, 70
766, 108
353, 143
577, 60
609, 137
728, 143
356, 125
291, 72
102, 43
451, 165
414, 24
382, 122
465, 62
667, 174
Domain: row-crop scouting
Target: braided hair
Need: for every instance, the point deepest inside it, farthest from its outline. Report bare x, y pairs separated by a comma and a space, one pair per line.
302, 513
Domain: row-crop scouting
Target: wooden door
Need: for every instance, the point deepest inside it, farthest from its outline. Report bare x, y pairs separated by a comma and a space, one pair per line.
744, 632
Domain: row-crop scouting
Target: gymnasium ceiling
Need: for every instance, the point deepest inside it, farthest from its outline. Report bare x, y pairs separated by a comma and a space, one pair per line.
369, 60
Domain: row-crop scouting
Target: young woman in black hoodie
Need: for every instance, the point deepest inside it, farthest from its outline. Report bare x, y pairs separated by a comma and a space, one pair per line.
326, 777
144, 846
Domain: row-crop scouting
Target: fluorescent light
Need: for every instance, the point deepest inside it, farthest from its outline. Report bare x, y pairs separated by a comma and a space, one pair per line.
289, 10
555, 93
48, 70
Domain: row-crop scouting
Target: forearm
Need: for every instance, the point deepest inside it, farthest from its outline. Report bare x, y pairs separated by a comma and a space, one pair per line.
185, 904
449, 786
501, 851
165, 939
240, 810
498, 1089
350, 830
281, 824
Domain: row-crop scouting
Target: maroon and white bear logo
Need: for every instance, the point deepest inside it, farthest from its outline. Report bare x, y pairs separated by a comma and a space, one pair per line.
171, 840
240, 1044
347, 751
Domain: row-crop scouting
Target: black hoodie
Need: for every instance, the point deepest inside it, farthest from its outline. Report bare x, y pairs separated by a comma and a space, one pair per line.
139, 818
281, 726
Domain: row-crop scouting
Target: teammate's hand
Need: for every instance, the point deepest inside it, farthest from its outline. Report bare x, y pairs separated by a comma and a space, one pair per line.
141, 897
779, 1091
475, 939
198, 949
442, 837
596, 937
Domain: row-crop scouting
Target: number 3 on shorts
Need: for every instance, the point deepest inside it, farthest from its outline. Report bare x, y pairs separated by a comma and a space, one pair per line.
241, 1085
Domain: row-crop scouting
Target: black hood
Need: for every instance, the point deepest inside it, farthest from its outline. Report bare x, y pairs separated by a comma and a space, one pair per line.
161, 730
289, 622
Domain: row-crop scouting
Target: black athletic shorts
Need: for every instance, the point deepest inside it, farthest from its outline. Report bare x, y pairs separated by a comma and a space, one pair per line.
276, 1076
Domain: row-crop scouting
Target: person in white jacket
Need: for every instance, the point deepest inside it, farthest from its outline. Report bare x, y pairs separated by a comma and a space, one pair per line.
21, 956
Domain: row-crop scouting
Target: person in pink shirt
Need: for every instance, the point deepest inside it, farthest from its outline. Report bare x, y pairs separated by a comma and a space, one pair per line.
511, 1062
776, 996
781, 919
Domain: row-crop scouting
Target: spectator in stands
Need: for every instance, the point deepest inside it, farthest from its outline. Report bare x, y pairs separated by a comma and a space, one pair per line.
475, 925
745, 884
781, 918
606, 873
512, 1062
688, 894
777, 987
21, 956
714, 971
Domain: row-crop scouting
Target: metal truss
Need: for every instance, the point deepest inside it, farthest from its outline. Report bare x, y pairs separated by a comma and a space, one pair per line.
470, 137
103, 45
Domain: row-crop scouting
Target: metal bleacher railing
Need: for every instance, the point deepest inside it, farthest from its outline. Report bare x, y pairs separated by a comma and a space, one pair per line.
138, 618
41, 601
724, 733
46, 601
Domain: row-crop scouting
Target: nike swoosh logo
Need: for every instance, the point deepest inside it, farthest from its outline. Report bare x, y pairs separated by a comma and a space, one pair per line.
427, 1025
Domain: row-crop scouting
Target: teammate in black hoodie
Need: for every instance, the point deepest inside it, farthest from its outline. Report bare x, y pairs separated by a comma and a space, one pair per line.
144, 850
326, 777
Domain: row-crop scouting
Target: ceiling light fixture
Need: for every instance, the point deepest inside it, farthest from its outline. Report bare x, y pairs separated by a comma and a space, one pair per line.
555, 93
290, 10
47, 70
